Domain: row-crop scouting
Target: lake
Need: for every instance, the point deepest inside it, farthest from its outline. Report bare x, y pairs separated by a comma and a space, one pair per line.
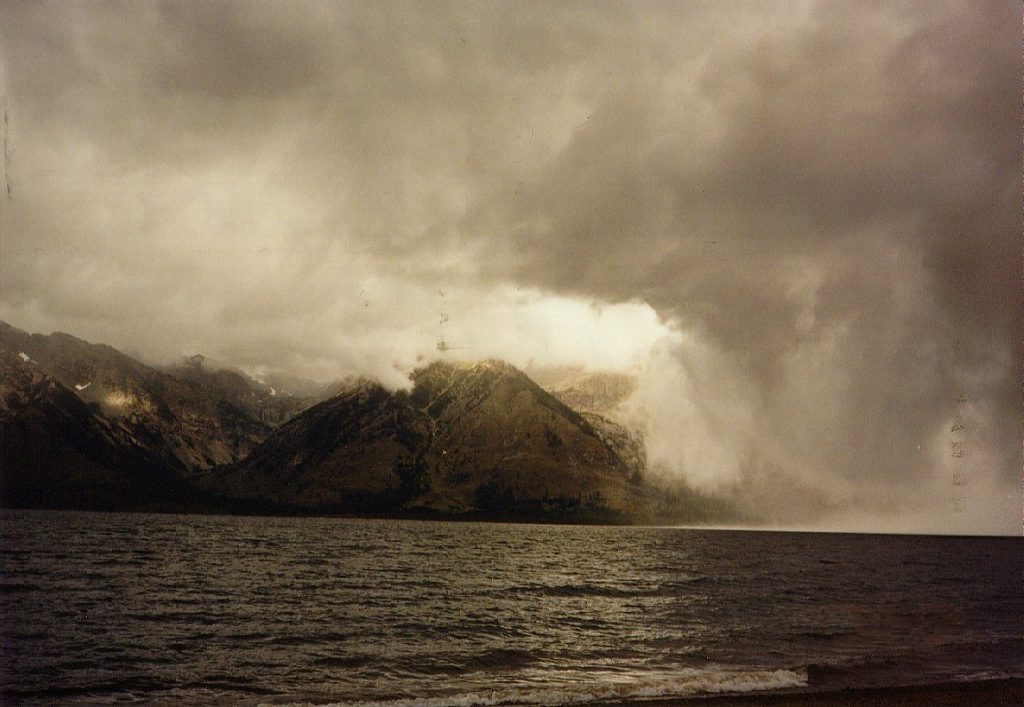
101, 608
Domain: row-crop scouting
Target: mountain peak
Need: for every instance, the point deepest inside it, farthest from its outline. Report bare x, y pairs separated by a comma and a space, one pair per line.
488, 364
471, 437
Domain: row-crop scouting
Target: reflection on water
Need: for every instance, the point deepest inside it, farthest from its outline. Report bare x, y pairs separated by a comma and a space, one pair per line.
187, 608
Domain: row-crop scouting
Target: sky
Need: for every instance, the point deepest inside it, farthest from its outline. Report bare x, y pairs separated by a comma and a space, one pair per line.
797, 223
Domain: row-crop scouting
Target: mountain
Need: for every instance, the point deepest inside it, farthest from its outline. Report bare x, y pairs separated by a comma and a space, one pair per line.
350, 452
626, 442
56, 452
596, 392
258, 400
600, 396
468, 440
184, 422
280, 383
85, 426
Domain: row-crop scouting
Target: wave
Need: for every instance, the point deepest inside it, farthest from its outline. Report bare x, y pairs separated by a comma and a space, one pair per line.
97, 690
500, 659
959, 660
683, 683
17, 587
1012, 642
835, 673
491, 661
344, 661
596, 590
824, 634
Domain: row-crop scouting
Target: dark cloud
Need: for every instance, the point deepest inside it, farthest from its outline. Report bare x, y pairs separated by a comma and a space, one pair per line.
821, 201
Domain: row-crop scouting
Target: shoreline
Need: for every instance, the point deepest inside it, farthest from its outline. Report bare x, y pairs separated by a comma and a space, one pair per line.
483, 519
994, 692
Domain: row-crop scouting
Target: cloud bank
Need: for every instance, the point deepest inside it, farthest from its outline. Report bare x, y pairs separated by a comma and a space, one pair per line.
799, 221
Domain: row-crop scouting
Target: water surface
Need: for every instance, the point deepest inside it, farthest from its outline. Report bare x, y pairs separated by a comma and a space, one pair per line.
202, 609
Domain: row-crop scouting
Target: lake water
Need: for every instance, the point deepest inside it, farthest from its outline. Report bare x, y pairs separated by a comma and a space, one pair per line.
200, 609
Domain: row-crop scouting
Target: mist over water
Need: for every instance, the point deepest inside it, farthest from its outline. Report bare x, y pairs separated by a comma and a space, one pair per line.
103, 608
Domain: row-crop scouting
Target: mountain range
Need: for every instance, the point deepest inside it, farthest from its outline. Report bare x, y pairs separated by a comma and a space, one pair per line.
86, 426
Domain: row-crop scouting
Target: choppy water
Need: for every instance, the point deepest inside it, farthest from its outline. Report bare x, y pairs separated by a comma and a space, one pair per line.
159, 608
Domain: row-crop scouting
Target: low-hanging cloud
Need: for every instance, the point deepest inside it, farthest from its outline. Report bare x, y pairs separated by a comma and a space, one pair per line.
798, 222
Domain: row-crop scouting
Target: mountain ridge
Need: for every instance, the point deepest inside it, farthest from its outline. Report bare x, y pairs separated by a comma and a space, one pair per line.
472, 440
57, 452
194, 427
465, 433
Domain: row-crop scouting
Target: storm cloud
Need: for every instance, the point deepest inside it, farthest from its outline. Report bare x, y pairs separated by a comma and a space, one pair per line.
798, 223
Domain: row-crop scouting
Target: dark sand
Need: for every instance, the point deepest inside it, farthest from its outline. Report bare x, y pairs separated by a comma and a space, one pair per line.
986, 693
